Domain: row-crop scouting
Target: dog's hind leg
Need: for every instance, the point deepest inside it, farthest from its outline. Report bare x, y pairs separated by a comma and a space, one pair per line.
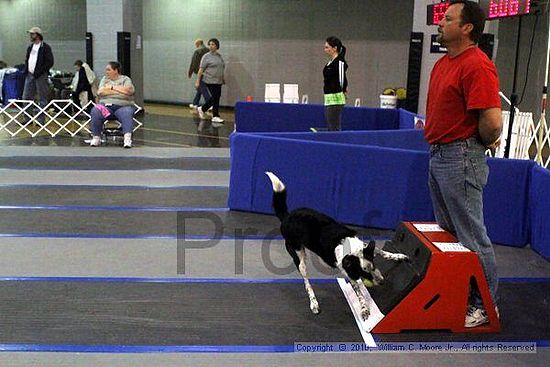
313, 304
299, 257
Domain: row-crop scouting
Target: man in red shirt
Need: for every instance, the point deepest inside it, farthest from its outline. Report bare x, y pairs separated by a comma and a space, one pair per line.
463, 120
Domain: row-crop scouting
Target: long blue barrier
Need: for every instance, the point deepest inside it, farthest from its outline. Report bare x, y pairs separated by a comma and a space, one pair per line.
506, 201
363, 185
368, 185
282, 117
539, 211
399, 139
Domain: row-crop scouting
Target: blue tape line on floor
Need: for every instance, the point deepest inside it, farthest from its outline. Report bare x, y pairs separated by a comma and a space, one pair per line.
73, 169
67, 348
111, 208
540, 343
147, 348
115, 187
524, 280
159, 236
213, 280
139, 237
166, 280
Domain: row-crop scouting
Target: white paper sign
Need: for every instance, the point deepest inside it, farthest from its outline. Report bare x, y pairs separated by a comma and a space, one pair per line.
428, 227
365, 326
450, 247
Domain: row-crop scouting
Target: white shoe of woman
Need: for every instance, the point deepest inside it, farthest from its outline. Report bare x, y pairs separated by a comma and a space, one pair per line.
128, 140
95, 142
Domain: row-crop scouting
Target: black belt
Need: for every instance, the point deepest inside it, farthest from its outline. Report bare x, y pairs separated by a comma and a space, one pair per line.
474, 140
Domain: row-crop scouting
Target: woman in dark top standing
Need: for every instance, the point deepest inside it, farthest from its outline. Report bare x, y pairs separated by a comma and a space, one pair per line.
335, 82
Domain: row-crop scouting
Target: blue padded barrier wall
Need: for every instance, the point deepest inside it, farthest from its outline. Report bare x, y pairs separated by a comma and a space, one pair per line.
539, 211
269, 117
401, 139
367, 185
273, 117
506, 201
363, 185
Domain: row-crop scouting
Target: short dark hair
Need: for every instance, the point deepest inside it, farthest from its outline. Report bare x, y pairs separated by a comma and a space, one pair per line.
473, 14
215, 41
78, 63
115, 65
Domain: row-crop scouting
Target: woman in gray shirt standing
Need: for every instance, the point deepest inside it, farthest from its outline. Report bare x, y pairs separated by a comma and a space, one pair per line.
210, 79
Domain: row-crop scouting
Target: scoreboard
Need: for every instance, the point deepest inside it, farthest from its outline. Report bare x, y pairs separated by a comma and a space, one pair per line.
494, 9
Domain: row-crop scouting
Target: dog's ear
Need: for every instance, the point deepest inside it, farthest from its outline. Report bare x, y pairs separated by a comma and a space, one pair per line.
368, 251
352, 266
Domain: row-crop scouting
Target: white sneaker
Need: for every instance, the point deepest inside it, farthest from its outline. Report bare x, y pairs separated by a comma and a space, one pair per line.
128, 140
201, 113
95, 142
217, 121
191, 105
476, 316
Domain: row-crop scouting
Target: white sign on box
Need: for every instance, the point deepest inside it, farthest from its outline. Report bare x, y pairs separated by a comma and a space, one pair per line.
450, 247
428, 227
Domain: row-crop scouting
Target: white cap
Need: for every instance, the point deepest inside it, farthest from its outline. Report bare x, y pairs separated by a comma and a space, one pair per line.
35, 30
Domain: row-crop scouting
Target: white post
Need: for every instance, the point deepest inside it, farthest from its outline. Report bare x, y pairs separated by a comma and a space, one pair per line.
542, 122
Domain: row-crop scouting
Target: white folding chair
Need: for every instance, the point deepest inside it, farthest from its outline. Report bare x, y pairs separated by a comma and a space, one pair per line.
273, 92
290, 93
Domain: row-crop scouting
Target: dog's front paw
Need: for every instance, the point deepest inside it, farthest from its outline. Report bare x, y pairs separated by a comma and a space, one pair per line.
314, 306
365, 313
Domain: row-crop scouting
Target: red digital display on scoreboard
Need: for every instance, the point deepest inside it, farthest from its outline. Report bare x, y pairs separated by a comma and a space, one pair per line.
494, 9
437, 13
505, 8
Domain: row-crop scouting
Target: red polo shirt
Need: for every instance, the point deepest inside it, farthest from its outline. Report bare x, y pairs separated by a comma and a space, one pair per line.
459, 87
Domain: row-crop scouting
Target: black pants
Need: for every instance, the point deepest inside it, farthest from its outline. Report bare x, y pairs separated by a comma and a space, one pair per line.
332, 117
76, 94
212, 96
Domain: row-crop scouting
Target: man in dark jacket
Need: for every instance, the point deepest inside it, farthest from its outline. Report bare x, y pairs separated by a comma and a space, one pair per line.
38, 62
201, 49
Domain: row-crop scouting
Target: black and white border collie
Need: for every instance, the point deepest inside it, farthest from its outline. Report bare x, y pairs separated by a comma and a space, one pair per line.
336, 244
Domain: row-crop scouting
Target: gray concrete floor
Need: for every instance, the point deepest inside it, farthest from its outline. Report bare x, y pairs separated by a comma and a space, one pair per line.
539, 359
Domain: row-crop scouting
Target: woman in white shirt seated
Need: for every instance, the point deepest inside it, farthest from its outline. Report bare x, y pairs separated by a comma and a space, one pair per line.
116, 98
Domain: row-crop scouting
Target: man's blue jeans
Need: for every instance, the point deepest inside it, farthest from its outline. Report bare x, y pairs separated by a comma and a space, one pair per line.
124, 114
458, 174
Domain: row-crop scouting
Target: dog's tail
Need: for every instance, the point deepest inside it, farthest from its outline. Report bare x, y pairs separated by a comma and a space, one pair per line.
279, 196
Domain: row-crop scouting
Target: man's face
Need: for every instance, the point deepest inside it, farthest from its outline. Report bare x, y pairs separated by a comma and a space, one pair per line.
450, 28
33, 36
212, 46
